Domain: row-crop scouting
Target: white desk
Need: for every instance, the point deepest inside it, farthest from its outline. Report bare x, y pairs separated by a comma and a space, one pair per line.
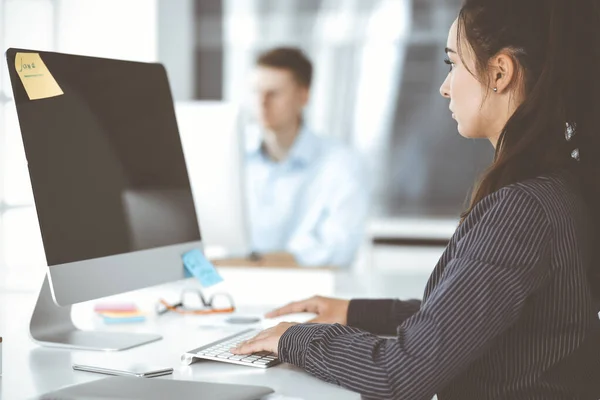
30, 370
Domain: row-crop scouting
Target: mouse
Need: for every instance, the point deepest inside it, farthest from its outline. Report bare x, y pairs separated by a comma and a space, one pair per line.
241, 320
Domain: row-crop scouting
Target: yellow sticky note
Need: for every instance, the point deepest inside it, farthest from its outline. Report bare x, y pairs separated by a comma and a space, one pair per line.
37, 80
112, 314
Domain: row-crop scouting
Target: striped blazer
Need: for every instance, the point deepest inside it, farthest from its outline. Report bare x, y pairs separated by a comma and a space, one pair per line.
507, 312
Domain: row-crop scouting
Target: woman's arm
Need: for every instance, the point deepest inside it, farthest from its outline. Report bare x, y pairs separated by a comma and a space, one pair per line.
499, 264
381, 317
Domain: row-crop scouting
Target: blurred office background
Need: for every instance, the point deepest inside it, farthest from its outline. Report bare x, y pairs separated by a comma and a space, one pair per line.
378, 68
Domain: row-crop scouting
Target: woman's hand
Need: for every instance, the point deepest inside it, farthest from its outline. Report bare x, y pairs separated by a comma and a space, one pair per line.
328, 310
267, 340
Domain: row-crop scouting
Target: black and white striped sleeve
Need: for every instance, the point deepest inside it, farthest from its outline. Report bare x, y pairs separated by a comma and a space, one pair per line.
497, 265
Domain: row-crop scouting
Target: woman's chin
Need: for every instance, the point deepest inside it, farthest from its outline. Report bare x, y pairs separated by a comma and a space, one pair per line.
467, 134
461, 132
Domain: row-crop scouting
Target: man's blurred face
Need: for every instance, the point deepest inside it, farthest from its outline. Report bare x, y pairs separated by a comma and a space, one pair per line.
278, 98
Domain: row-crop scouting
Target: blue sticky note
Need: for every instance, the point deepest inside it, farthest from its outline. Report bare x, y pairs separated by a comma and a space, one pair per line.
198, 266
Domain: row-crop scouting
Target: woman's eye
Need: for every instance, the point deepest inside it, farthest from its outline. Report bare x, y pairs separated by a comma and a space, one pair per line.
450, 63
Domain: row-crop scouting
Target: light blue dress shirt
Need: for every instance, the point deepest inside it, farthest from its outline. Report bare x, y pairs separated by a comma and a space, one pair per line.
313, 204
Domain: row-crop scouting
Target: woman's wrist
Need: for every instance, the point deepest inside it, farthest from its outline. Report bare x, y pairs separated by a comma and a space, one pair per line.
294, 343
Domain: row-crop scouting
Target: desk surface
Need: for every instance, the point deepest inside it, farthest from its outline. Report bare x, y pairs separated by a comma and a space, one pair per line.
30, 370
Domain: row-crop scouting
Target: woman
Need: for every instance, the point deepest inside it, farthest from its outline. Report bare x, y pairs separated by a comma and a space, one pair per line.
511, 309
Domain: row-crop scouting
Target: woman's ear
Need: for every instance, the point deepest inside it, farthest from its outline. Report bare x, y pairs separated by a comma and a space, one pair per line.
503, 72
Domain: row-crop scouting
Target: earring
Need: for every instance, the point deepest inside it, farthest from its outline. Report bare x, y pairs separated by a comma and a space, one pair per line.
496, 90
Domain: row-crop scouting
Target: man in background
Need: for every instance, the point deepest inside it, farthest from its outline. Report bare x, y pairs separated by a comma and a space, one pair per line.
307, 194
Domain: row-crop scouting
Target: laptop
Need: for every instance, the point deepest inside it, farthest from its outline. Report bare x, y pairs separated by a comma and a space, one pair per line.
122, 388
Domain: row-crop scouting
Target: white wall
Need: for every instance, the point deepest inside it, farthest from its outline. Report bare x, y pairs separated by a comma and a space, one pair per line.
176, 45
124, 29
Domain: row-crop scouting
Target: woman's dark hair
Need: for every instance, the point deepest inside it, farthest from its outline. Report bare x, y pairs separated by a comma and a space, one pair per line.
555, 45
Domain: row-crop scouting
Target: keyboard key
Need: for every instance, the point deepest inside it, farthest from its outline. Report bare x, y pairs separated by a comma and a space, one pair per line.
220, 351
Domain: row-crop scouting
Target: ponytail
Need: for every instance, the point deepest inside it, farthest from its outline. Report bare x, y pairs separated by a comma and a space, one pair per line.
556, 47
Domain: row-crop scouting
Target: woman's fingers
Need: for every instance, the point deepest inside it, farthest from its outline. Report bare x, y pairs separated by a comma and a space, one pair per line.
248, 347
258, 343
294, 307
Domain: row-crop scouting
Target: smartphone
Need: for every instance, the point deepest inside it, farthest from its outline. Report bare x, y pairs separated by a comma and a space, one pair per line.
139, 371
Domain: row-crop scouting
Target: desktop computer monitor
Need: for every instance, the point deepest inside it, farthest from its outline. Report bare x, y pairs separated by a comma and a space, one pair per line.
110, 184
211, 133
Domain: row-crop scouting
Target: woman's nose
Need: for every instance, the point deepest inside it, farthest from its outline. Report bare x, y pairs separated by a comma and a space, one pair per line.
445, 88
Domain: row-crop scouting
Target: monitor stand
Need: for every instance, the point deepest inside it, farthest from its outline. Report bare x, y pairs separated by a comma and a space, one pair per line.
51, 325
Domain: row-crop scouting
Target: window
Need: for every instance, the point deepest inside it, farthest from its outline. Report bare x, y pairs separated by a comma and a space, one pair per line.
21, 252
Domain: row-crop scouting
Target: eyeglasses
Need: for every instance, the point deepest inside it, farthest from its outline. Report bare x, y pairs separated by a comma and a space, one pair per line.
193, 302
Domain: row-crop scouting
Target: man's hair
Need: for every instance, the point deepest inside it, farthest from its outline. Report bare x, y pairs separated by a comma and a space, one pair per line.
291, 59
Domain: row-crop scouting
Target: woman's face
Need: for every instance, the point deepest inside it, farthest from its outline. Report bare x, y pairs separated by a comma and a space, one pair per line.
475, 118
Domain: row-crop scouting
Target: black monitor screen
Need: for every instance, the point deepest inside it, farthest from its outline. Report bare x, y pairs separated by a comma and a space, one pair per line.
105, 159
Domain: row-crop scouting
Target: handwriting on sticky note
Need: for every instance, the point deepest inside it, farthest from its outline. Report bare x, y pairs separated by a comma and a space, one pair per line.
35, 76
196, 264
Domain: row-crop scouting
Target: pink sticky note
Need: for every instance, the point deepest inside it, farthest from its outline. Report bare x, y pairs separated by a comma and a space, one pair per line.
122, 307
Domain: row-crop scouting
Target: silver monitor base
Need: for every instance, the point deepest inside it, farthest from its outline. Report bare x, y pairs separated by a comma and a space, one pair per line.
51, 325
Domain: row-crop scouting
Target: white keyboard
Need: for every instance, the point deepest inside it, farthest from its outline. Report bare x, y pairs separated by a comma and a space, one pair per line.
219, 351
